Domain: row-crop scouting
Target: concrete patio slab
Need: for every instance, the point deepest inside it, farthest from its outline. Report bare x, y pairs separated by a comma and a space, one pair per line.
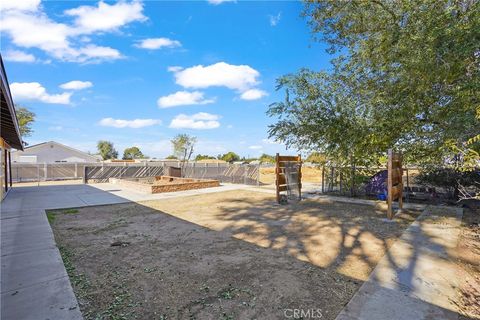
18, 244
48, 300
25, 269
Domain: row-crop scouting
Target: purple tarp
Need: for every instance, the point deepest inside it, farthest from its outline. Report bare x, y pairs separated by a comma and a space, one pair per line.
377, 184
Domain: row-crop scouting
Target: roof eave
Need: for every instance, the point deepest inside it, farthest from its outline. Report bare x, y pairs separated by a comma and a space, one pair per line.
11, 107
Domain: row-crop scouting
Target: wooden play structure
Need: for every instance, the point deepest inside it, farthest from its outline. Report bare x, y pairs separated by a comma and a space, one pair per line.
394, 181
288, 176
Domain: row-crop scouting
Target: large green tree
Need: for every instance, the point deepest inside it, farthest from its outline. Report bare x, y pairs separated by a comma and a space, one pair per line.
406, 74
199, 157
132, 153
229, 157
106, 150
266, 158
25, 118
322, 112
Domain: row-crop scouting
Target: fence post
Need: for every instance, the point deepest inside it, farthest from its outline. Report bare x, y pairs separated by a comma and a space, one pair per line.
85, 174
76, 167
258, 174
341, 181
46, 171
331, 179
352, 191
323, 179
245, 174
408, 187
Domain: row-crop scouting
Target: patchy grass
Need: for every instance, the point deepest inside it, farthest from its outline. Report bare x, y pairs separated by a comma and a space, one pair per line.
51, 214
50, 217
121, 303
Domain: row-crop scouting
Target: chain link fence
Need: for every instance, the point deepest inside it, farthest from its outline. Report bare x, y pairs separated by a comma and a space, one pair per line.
101, 172
371, 183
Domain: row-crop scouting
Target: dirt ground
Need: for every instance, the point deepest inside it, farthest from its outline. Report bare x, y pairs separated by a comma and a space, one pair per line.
229, 255
309, 174
468, 251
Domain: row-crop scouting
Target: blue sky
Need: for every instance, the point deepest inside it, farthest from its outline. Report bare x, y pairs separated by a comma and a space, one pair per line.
138, 73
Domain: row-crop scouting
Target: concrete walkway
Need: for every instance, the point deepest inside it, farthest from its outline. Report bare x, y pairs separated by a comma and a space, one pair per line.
34, 283
417, 278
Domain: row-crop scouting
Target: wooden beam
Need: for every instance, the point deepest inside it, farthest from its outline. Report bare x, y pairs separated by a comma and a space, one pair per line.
394, 181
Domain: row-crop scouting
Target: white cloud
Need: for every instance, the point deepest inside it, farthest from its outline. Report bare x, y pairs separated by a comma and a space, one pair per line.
76, 85
255, 147
137, 123
174, 68
275, 19
29, 27
105, 17
48, 35
158, 43
200, 121
253, 94
94, 53
19, 56
20, 5
217, 2
221, 74
35, 91
183, 98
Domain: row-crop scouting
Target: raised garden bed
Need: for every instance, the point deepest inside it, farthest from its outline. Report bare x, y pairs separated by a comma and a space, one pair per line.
160, 184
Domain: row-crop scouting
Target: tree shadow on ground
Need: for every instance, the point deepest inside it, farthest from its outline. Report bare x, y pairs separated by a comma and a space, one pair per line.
312, 254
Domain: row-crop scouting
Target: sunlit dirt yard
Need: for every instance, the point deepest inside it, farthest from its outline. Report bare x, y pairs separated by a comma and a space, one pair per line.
229, 255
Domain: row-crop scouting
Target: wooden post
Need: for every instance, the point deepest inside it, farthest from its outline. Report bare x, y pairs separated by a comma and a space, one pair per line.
394, 181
